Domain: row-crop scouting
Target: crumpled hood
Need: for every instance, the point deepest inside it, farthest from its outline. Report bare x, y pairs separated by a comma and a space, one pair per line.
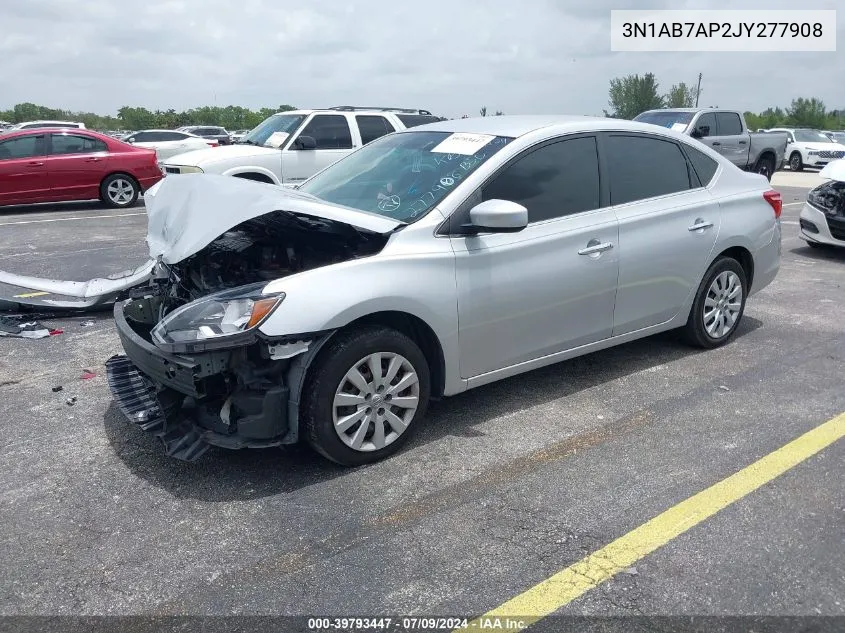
187, 213
200, 157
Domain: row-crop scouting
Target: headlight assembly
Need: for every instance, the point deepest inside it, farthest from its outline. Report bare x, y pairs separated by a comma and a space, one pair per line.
217, 321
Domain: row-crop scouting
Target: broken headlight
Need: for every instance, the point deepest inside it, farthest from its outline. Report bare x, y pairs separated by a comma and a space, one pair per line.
215, 321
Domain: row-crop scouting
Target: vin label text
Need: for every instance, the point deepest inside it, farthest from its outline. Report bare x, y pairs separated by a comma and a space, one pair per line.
728, 31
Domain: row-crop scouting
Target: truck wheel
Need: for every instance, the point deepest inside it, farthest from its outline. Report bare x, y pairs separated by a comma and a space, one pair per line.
766, 167
795, 162
366, 392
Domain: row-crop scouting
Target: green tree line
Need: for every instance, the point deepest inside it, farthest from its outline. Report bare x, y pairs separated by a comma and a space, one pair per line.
134, 118
630, 95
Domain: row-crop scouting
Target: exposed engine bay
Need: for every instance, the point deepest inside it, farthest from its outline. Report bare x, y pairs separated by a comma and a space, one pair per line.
263, 249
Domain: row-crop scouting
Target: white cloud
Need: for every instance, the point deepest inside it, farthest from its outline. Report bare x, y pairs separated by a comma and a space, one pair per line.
538, 56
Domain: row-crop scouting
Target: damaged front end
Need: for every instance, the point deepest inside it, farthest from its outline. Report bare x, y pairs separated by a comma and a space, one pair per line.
197, 371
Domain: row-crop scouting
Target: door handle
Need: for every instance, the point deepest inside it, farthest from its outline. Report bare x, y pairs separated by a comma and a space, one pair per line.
594, 247
36, 163
715, 143
742, 143
93, 159
700, 225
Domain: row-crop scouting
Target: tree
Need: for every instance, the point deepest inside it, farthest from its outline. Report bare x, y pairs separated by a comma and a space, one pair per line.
807, 113
680, 96
633, 94
483, 111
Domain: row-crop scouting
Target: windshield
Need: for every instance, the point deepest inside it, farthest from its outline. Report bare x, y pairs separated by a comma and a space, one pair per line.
403, 176
811, 136
674, 120
277, 126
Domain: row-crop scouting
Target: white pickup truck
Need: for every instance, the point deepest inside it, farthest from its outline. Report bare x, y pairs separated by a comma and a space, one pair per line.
290, 147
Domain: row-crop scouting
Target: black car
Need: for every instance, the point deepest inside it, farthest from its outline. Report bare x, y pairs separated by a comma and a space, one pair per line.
209, 131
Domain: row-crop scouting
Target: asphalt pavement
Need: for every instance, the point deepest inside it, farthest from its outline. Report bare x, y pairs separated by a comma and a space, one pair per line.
501, 488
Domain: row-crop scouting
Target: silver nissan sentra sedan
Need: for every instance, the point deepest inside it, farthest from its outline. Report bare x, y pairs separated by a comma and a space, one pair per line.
428, 262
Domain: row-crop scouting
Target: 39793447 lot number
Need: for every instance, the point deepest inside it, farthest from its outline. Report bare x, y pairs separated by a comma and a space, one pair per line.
349, 624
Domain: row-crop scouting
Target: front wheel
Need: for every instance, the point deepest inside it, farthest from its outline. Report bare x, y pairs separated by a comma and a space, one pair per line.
119, 191
367, 389
718, 306
795, 162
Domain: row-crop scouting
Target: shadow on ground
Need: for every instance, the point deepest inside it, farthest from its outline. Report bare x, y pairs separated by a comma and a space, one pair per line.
222, 475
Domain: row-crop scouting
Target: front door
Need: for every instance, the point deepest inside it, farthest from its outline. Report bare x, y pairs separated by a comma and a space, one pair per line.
668, 225
550, 287
334, 141
23, 171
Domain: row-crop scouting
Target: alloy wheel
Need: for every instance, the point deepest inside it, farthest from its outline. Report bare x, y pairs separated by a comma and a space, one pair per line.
722, 304
375, 401
120, 191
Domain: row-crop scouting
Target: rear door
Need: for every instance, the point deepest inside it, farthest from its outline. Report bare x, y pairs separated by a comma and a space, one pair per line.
333, 136
734, 144
372, 126
76, 164
668, 223
23, 171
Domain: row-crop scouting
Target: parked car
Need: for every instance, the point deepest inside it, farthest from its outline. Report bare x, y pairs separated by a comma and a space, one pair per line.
213, 132
56, 165
822, 218
168, 143
426, 263
30, 125
289, 147
238, 135
835, 136
726, 132
809, 148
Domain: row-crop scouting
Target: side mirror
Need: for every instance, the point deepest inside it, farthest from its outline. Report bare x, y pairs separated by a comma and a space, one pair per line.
305, 142
703, 130
695, 133
131, 141
497, 216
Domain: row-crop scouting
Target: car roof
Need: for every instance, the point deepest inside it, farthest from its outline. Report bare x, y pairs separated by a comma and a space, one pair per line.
55, 130
519, 125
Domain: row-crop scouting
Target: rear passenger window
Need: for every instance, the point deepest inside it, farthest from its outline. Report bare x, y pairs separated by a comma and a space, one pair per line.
704, 166
643, 167
729, 123
372, 127
330, 131
413, 120
553, 181
72, 144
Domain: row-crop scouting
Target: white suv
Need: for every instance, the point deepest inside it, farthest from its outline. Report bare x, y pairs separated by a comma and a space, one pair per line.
809, 148
290, 147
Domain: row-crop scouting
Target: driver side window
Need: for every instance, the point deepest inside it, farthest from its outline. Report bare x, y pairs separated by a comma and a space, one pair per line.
330, 131
706, 124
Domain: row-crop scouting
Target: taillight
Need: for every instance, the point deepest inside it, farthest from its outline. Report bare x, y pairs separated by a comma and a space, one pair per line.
213, 144
774, 199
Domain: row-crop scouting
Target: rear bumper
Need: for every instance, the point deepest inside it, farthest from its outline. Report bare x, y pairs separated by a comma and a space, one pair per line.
226, 398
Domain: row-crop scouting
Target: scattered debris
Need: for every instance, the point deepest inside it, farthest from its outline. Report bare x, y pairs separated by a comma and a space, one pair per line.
724, 388
57, 388
86, 324
88, 374
71, 401
632, 571
56, 332
26, 329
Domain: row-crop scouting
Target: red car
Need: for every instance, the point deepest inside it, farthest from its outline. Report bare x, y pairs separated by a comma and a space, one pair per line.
56, 165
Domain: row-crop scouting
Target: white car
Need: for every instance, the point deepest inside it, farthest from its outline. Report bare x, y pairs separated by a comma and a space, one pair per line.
822, 217
238, 135
289, 147
28, 125
809, 148
168, 143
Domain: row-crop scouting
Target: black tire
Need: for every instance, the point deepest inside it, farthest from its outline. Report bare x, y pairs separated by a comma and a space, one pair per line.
695, 331
124, 184
766, 167
795, 162
340, 354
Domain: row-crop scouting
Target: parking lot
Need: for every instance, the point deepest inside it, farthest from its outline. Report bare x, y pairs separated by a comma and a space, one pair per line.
501, 487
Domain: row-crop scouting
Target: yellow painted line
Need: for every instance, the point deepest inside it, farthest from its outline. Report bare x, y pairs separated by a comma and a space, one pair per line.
574, 581
29, 295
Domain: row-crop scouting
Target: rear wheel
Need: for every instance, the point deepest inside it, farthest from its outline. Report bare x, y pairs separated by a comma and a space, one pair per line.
718, 306
795, 162
119, 191
367, 389
766, 167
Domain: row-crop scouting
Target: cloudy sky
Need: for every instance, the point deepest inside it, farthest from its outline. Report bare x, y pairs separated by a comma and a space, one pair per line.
519, 56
